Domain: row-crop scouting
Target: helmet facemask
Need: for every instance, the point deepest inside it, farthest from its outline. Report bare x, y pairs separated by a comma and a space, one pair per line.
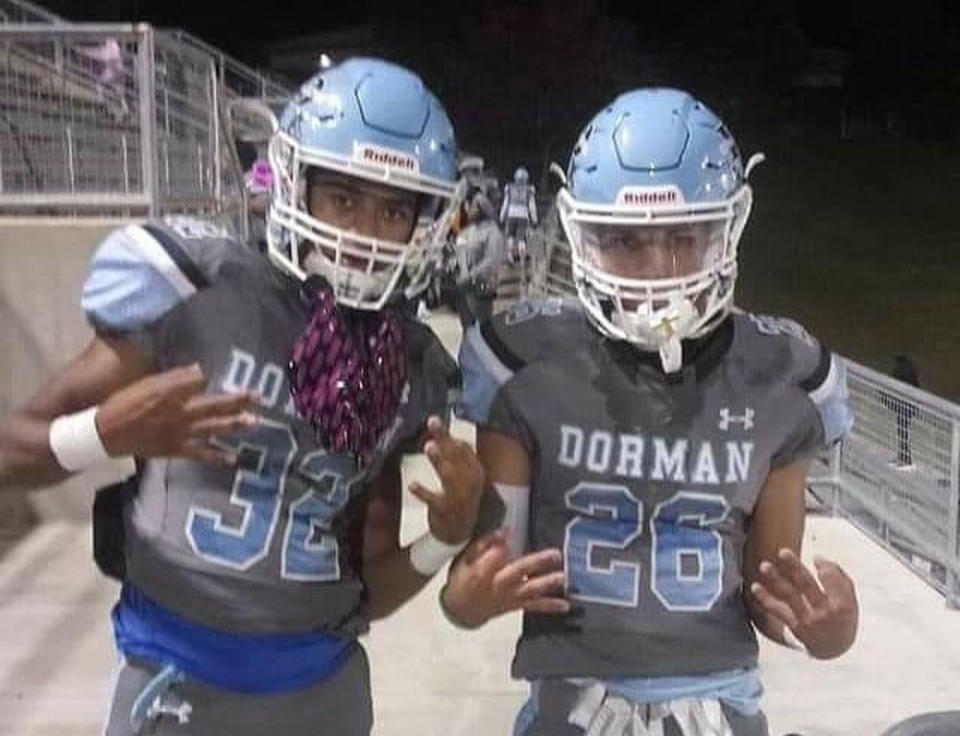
364, 272
656, 275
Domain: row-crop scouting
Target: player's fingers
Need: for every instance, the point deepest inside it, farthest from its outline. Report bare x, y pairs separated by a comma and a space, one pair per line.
459, 472
207, 454
431, 448
492, 559
536, 563
447, 454
546, 605
782, 588
181, 383
430, 498
223, 425
436, 428
438, 434
836, 582
549, 584
481, 545
790, 566
773, 606
217, 405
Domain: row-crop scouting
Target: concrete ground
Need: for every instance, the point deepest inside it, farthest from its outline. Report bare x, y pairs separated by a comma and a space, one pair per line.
56, 653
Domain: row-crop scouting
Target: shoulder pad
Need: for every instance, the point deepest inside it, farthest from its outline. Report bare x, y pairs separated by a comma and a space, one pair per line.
491, 353
780, 350
140, 272
531, 329
429, 354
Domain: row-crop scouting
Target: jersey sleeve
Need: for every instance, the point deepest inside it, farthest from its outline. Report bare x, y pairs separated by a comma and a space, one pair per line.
494, 352
820, 375
827, 390
483, 373
140, 273
132, 282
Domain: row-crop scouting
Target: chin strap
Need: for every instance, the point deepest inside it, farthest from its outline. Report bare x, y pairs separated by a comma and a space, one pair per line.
671, 355
663, 328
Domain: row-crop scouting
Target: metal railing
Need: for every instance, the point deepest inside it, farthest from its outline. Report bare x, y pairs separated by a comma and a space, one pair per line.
22, 11
118, 119
239, 78
72, 134
235, 77
896, 476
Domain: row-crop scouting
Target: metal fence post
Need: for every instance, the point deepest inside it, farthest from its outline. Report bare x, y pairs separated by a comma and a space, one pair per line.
215, 91
953, 540
71, 171
835, 479
148, 118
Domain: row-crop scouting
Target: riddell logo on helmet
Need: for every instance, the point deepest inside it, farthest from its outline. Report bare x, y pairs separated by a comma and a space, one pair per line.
649, 196
370, 154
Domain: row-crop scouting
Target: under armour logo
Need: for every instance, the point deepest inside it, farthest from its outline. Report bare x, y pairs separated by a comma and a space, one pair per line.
726, 419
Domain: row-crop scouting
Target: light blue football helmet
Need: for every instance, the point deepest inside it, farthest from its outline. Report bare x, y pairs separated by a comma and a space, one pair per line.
375, 120
656, 158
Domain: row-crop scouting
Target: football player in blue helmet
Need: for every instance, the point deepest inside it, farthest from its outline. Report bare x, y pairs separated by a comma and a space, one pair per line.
261, 532
405, 160
518, 212
654, 209
656, 442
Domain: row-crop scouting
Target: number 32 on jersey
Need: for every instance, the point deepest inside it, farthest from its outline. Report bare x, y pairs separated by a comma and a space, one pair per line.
610, 518
310, 552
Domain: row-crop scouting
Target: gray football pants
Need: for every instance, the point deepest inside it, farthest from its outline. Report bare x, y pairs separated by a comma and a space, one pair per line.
338, 706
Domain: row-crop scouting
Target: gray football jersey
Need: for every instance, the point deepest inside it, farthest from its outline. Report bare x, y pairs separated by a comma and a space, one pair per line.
274, 544
647, 482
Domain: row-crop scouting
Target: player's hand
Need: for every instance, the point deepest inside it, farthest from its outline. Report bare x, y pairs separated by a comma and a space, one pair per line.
167, 415
823, 615
486, 581
452, 513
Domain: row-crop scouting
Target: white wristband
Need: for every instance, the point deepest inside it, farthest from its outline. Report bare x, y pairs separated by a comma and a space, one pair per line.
75, 442
428, 554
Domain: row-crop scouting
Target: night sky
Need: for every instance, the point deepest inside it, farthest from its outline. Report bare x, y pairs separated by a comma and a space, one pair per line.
531, 73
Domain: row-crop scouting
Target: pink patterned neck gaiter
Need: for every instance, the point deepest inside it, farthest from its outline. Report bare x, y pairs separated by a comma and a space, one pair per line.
347, 374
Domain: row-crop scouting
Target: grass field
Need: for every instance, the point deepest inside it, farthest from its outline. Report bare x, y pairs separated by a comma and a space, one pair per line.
857, 241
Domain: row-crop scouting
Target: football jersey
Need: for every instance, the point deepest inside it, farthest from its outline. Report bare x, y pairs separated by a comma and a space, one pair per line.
647, 481
272, 545
519, 202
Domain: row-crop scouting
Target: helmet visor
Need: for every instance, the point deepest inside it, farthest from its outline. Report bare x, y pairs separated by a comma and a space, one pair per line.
651, 252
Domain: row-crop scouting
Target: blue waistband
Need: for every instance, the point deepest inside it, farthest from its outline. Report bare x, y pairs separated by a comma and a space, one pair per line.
740, 689
248, 663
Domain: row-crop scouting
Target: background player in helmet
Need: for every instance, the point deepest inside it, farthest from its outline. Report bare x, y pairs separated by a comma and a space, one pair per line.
247, 582
517, 213
658, 442
479, 251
